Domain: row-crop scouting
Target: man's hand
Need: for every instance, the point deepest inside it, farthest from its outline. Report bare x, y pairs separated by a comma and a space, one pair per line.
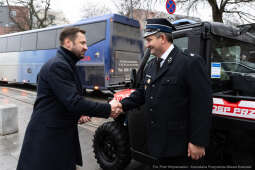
84, 119
116, 107
195, 152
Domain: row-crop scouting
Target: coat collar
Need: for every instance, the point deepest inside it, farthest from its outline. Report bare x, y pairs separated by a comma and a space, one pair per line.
166, 54
68, 55
72, 59
169, 60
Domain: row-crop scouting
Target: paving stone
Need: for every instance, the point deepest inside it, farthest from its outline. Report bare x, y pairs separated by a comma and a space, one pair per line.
7, 162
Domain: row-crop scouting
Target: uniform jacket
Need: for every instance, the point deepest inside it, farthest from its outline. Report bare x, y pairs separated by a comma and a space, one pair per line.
178, 104
51, 140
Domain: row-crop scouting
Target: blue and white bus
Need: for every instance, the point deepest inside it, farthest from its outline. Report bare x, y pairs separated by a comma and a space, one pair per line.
114, 49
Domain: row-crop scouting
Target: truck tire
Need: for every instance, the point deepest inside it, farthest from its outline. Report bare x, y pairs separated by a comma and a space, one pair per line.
111, 146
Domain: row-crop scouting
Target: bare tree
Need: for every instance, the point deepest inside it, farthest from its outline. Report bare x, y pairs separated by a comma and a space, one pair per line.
150, 4
127, 7
92, 10
32, 13
221, 9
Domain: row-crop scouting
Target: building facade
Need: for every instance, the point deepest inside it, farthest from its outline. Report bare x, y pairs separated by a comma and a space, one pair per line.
9, 16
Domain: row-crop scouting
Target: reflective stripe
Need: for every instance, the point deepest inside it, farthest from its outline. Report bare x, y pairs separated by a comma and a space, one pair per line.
218, 101
250, 104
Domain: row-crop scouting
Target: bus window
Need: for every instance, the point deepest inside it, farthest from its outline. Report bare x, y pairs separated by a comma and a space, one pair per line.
13, 43
126, 37
124, 30
94, 32
28, 42
3, 45
46, 39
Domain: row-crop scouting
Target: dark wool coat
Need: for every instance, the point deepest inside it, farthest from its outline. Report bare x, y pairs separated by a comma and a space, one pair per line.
178, 104
51, 140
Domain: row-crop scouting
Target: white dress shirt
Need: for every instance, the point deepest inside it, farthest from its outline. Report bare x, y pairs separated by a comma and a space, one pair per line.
166, 53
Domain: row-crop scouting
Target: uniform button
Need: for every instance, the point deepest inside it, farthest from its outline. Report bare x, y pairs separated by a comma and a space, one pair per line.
151, 97
153, 85
151, 109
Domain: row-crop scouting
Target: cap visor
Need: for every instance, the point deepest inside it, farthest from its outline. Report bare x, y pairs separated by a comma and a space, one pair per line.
146, 34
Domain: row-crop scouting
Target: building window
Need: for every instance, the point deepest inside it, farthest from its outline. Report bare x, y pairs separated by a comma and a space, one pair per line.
11, 24
13, 13
52, 17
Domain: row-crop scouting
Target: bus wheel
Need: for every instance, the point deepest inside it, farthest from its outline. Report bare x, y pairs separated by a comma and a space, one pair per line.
111, 146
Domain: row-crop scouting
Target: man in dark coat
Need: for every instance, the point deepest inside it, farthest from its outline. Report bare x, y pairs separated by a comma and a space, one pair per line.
51, 140
177, 97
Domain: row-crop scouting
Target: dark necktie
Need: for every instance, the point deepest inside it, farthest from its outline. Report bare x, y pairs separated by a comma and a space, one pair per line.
158, 61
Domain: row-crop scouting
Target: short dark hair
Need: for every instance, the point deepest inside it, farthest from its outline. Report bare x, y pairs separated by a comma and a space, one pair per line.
69, 32
169, 36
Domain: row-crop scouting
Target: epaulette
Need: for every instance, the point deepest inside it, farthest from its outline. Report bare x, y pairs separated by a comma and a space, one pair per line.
188, 53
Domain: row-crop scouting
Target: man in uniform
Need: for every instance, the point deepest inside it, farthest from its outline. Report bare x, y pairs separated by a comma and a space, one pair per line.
177, 96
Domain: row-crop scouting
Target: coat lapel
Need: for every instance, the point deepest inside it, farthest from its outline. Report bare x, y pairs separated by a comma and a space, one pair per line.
166, 64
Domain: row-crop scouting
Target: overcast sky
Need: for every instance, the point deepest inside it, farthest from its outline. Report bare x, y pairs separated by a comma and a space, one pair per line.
72, 8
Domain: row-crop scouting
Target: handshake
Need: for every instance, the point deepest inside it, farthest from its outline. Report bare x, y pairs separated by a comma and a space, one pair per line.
116, 108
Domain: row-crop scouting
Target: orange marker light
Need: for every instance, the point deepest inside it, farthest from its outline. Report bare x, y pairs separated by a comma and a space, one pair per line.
96, 87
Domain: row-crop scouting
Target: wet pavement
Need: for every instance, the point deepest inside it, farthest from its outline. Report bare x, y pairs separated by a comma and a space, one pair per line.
10, 145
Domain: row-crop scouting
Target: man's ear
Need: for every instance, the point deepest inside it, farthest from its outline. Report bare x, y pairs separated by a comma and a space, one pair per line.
163, 37
68, 43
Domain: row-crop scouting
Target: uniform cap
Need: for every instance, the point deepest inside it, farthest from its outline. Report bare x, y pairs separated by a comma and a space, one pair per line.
158, 25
